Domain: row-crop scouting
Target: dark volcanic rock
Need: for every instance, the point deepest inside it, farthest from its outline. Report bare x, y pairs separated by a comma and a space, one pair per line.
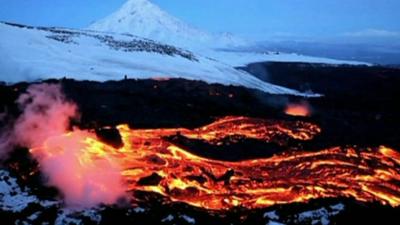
227, 150
172, 103
110, 136
152, 180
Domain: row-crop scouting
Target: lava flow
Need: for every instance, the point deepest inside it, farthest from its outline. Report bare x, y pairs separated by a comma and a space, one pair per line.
298, 109
152, 163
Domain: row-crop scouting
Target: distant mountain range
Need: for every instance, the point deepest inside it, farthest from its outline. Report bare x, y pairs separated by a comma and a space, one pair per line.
375, 52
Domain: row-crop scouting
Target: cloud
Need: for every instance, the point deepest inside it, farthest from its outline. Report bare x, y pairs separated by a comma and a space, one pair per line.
373, 33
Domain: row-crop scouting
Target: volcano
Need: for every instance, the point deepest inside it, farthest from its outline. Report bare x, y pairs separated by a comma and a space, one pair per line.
145, 19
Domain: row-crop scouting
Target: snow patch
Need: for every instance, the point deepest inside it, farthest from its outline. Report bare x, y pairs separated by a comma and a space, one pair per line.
71, 216
274, 223
139, 210
322, 215
169, 218
189, 219
271, 215
12, 198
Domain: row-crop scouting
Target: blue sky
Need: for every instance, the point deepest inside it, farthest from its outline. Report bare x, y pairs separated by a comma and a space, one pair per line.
257, 19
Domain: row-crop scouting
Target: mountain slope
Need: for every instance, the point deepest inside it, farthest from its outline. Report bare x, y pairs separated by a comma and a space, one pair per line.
145, 19
31, 53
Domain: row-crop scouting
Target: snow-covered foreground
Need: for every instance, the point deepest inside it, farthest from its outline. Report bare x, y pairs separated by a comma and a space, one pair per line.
30, 53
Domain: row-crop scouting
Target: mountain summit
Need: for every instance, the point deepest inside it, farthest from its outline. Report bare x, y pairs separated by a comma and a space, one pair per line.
145, 19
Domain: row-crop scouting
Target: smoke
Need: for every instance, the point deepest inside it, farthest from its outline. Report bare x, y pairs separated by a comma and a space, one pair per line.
63, 155
259, 70
46, 113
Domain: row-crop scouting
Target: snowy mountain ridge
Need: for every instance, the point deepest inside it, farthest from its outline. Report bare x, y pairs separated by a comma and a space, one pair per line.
89, 55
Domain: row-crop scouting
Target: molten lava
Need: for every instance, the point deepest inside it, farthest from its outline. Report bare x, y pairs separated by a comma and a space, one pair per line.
151, 163
298, 109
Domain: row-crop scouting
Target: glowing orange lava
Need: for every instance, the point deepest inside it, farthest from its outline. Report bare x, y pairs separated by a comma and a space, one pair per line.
298, 109
161, 78
366, 174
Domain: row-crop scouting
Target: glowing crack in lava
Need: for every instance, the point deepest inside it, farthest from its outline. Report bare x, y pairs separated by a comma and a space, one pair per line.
366, 174
298, 109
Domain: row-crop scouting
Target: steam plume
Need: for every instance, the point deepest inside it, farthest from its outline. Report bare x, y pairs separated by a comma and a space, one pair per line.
46, 117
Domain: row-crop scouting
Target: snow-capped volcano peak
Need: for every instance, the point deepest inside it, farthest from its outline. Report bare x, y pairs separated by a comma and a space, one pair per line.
134, 13
140, 9
145, 19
